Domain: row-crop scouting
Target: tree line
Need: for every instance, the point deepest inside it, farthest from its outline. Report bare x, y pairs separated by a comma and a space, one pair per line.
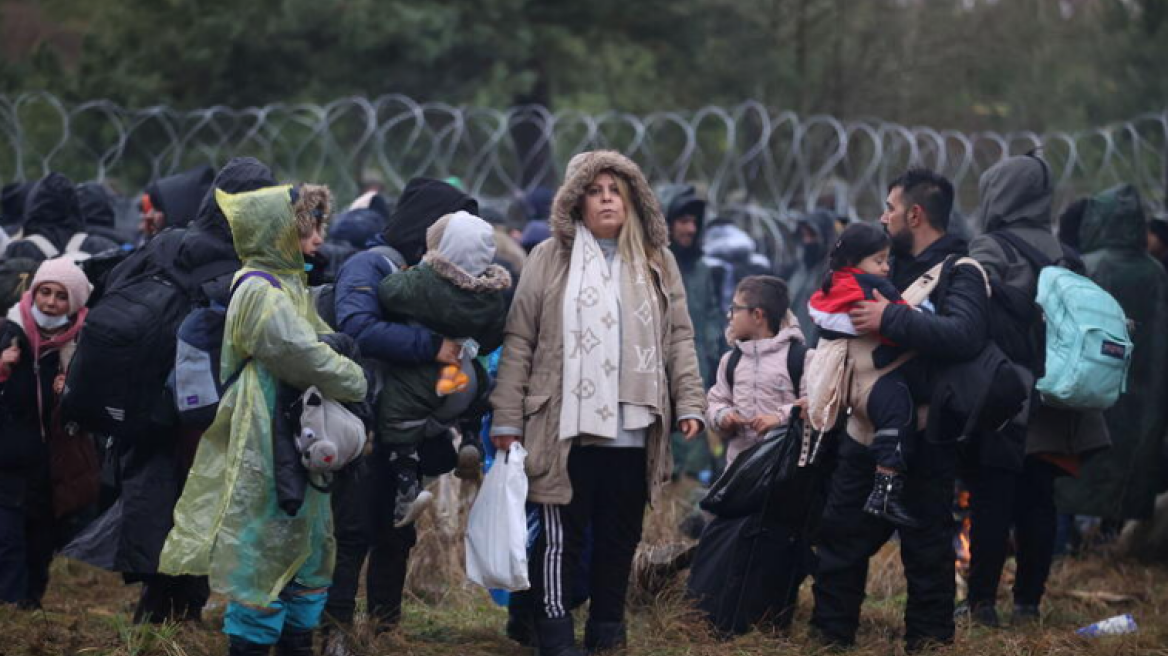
963, 64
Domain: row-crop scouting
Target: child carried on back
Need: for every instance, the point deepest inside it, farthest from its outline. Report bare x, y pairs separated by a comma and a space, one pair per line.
859, 268
457, 293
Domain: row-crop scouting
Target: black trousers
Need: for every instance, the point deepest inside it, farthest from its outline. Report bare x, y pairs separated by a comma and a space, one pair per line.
167, 598
362, 501
1000, 500
27, 542
849, 537
29, 536
892, 410
609, 491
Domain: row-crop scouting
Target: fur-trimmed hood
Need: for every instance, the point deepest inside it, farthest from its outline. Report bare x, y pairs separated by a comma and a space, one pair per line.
494, 279
582, 169
313, 207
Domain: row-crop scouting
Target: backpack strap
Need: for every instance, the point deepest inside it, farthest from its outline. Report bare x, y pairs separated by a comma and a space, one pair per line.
1008, 240
46, 247
731, 365
272, 280
796, 360
945, 277
75, 242
390, 253
921, 288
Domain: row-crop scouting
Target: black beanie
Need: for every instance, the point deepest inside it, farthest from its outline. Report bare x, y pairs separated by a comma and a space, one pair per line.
421, 204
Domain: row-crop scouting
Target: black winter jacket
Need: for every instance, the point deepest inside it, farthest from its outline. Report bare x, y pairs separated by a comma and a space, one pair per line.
128, 537
960, 328
23, 452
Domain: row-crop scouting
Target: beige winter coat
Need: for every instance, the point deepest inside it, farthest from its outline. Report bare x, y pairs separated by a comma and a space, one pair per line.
528, 393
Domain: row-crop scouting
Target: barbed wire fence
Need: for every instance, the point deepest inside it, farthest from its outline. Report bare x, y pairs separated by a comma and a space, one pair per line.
762, 165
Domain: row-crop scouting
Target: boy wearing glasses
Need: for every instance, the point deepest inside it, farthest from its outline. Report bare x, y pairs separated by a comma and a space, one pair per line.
761, 396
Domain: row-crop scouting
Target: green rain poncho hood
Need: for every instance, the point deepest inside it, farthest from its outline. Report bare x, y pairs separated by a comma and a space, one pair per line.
227, 524
1114, 219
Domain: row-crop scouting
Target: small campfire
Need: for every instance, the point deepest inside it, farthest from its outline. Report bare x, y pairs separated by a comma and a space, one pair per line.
963, 517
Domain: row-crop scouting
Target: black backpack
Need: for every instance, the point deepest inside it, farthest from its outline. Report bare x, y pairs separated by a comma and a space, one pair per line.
796, 360
116, 384
195, 382
16, 274
1016, 323
326, 294
978, 395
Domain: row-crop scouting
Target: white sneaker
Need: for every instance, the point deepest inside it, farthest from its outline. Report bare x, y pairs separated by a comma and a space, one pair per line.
420, 505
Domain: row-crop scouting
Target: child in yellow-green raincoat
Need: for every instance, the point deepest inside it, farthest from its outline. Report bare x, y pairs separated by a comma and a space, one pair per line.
274, 568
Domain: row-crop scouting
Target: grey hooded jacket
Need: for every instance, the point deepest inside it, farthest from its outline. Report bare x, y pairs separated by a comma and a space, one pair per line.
1016, 195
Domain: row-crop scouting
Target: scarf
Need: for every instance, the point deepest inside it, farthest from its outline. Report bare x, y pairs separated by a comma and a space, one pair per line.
64, 341
612, 367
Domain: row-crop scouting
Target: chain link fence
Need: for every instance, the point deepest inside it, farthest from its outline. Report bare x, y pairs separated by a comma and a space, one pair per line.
770, 164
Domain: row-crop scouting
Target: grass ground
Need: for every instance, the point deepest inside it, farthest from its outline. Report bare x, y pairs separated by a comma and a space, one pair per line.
87, 611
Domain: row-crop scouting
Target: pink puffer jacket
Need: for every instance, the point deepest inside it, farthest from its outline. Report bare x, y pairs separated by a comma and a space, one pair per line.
762, 386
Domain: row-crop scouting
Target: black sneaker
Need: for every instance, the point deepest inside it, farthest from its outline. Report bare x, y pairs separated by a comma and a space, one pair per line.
1025, 614
980, 613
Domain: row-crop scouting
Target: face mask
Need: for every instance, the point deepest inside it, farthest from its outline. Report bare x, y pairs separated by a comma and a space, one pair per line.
49, 323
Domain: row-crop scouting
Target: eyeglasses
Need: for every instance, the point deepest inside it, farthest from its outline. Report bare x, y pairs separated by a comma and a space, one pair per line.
734, 308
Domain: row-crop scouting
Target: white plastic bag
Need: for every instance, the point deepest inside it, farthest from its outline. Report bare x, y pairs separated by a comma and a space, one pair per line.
496, 533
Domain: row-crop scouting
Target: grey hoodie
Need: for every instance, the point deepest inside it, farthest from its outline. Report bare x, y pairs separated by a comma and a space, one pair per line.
1016, 195
468, 242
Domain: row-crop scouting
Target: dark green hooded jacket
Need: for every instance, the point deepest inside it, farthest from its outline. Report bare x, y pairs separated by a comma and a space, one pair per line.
701, 290
1122, 483
447, 300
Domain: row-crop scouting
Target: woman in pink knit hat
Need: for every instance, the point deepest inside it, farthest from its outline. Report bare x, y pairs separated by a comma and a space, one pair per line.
36, 344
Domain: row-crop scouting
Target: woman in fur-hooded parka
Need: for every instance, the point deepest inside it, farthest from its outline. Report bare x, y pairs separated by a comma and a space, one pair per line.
598, 364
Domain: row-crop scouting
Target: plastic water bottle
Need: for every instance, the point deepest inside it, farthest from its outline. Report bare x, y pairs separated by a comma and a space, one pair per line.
1118, 625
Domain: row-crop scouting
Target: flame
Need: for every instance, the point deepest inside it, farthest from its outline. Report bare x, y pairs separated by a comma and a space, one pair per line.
961, 540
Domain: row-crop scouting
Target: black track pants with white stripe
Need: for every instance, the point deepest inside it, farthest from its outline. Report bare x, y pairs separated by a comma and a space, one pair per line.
609, 492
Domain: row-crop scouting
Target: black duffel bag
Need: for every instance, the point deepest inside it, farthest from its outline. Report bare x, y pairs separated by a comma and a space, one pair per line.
784, 475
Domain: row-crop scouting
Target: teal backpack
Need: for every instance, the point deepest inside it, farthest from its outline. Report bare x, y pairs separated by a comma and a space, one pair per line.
1084, 350
1088, 348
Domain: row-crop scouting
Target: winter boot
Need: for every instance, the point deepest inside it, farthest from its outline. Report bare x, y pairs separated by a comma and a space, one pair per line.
521, 618
237, 646
604, 636
407, 486
887, 501
294, 643
556, 637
